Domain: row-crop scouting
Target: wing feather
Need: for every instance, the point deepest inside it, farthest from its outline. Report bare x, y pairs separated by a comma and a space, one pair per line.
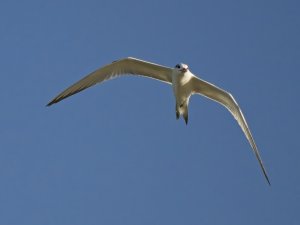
120, 67
215, 93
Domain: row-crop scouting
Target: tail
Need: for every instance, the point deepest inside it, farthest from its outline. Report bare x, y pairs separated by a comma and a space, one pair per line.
186, 115
177, 110
182, 109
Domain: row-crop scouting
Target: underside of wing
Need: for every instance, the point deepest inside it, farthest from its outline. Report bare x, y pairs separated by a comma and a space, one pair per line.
215, 93
120, 67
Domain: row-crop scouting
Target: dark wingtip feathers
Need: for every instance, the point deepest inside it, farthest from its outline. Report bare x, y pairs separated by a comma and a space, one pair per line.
55, 100
50, 103
267, 178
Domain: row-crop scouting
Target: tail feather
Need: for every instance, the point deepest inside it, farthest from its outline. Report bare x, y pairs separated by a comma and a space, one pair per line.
186, 115
182, 110
177, 114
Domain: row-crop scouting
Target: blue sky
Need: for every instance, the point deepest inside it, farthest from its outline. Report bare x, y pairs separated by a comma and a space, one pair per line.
115, 154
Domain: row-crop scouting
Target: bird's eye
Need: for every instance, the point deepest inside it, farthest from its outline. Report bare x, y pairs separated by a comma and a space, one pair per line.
177, 66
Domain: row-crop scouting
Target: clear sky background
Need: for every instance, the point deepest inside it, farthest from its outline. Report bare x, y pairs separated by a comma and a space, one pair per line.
115, 154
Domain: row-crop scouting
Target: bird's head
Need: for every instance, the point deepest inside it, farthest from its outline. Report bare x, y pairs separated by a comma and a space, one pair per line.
182, 67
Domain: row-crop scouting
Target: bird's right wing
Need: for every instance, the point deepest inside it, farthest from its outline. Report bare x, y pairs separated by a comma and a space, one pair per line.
120, 67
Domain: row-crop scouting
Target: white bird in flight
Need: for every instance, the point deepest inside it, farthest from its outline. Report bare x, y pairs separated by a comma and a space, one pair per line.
184, 85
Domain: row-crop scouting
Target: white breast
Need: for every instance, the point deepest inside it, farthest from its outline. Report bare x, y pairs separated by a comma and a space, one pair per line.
181, 85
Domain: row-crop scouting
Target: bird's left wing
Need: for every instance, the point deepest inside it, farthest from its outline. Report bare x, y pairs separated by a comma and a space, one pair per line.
124, 66
215, 93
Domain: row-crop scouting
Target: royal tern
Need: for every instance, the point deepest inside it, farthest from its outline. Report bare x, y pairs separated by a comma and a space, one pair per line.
184, 85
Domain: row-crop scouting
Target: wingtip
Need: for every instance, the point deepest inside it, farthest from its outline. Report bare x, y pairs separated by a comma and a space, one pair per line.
51, 103
267, 178
265, 174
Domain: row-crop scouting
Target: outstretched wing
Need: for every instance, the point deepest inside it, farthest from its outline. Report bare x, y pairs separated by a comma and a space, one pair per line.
121, 67
226, 99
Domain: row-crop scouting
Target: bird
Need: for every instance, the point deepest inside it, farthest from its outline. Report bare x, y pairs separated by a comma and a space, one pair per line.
184, 84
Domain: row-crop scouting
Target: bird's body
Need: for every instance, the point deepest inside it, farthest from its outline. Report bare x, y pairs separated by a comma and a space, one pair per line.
184, 85
182, 90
